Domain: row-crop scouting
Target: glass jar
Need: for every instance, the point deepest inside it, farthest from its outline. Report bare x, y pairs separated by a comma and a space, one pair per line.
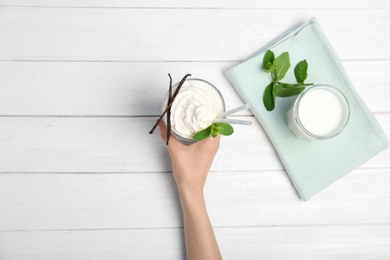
319, 112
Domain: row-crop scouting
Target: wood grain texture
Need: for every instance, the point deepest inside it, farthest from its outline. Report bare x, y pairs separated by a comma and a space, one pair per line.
81, 82
88, 144
219, 4
334, 242
178, 34
238, 199
138, 88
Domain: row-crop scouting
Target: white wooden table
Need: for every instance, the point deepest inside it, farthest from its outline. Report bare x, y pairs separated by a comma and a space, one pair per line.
81, 84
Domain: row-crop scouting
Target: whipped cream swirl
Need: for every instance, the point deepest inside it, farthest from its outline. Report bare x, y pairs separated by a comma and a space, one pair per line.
196, 105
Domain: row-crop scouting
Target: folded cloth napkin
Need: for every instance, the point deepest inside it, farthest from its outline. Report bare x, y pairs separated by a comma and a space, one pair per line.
311, 165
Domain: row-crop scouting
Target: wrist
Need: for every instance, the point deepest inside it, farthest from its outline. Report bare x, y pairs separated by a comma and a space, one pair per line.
190, 192
190, 183
191, 197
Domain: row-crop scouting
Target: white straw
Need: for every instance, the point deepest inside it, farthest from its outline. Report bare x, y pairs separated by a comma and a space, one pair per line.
232, 121
234, 110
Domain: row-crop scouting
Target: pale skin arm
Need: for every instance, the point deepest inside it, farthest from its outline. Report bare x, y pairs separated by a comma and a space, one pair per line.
191, 164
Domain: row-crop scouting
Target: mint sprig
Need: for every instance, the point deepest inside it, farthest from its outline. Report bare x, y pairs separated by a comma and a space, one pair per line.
213, 130
278, 67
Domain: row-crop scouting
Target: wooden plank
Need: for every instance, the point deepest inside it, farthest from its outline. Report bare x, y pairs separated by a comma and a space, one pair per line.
127, 201
111, 145
115, 144
137, 88
201, 4
126, 34
345, 242
102, 88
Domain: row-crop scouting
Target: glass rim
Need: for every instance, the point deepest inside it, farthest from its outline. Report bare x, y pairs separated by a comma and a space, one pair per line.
343, 99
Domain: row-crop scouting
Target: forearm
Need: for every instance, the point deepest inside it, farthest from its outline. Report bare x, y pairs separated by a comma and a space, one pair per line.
199, 234
191, 165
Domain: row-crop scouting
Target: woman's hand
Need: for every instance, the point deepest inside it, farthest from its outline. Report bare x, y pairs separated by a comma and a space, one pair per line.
191, 164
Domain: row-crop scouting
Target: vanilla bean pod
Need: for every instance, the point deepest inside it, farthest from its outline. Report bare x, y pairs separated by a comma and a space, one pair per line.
169, 105
169, 127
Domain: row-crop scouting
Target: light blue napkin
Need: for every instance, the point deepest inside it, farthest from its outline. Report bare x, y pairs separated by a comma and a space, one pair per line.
311, 165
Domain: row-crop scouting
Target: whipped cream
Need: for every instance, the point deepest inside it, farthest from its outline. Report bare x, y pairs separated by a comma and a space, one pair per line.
196, 105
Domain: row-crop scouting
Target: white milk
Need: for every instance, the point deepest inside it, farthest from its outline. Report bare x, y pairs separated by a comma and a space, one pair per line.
197, 104
319, 112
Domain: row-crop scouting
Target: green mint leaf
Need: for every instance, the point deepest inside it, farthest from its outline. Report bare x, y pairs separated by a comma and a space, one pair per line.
268, 97
271, 68
224, 128
287, 90
268, 65
273, 75
268, 59
282, 64
214, 131
300, 71
285, 85
203, 134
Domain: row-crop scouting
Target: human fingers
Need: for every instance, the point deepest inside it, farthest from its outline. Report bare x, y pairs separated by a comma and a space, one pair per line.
211, 143
163, 130
164, 133
214, 140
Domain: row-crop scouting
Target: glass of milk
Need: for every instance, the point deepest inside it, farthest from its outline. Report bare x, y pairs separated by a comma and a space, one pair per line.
196, 105
319, 112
